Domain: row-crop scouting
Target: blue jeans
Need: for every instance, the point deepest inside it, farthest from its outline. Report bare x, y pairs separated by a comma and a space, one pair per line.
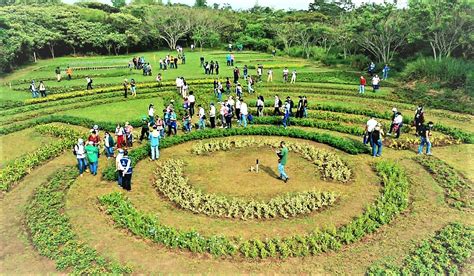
285, 120
377, 148
119, 178
202, 124
362, 89
109, 151
93, 166
243, 120
219, 96
155, 152
81, 164
423, 142
385, 75
34, 94
281, 170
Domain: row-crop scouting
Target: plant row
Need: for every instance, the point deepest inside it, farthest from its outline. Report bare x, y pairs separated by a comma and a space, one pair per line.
51, 232
171, 183
20, 167
458, 189
329, 164
393, 200
444, 254
347, 145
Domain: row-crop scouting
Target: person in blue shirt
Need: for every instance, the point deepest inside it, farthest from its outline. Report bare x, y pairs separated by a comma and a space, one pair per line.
385, 72
154, 138
126, 170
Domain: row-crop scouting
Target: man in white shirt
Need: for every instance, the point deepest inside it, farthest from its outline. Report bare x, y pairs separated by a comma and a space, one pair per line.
179, 84
369, 128
285, 74
243, 113
376, 83
212, 115
293, 76
202, 117
277, 106
237, 108
397, 124
192, 101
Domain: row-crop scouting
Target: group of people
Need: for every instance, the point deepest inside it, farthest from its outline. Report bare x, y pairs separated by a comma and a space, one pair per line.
375, 78
374, 131
34, 89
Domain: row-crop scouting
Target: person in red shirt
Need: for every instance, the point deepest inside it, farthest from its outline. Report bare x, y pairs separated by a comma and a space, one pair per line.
363, 82
94, 138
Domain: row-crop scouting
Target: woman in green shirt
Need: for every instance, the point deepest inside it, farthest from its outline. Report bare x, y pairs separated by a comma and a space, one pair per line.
283, 158
93, 157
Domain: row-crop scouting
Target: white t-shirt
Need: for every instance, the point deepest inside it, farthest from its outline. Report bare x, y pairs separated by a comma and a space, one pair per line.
375, 80
237, 104
371, 124
277, 100
260, 102
191, 98
179, 82
243, 109
398, 119
285, 71
201, 112
231, 102
151, 112
259, 71
212, 111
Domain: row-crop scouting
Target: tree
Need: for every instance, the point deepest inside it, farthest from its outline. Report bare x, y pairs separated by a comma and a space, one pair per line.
118, 3
171, 24
304, 35
206, 28
200, 3
443, 23
286, 34
325, 37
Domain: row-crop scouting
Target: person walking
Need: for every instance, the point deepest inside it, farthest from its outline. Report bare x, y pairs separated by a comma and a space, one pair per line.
172, 123
376, 83
34, 91
385, 72
212, 115
369, 128
69, 73
126, 168
300, 108
118, 169
119, 132
286, 116
419, 118
202, 118
285, 75
270, 75
246, 72
42, 89
125, 87
249, 84
154, 138
260, 106
293, 76
151, 114
133, 87
80, 153
362, 84
216, 67
109, 144
192, 102
93, 157
89, 83
128, 135
377, 138
425, 133
282, 154
236, 74
244, 112
145, 128
397, 124
58, 74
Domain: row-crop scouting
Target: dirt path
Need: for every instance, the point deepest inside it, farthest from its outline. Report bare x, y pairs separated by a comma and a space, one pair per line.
17, 255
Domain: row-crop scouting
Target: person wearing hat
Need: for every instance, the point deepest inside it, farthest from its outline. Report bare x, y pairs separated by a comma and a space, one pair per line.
287, 113
192, 102
95, 128
80, 153
300, 108
212, 115
154, 138
117, 167
119, 132
93, 157
125, 165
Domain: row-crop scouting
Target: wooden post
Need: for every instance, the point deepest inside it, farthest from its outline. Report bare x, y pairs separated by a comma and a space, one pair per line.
256, 166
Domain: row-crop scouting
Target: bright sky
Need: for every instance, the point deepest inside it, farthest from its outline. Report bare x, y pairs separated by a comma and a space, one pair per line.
277, 4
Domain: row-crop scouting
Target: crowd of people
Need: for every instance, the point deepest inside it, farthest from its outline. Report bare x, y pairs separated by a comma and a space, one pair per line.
374, 78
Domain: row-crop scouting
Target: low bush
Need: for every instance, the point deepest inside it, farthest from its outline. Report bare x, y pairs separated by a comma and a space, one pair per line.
457, 188
171, 183
51, 232
444, 254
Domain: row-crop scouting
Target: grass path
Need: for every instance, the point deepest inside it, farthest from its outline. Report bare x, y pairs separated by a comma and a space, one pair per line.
17, 255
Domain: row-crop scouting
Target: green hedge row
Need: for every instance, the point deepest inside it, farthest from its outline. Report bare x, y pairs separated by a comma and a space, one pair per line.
456, 187
20, 167
444, 254
392, 201
347, 145
51, 232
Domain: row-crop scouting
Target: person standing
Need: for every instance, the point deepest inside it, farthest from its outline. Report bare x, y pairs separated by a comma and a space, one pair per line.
377, 136
376, 83
246, 72
154, 138
305, 107
151, 114
249, 84
192, 102
119, 132
34, 91
260, 105
202, 118
236, 74
371, 68
80, 153
42, 89
259, 73
145, 128
425, 133
109, 144
385, 72
362, 84
118, 168
212, 115
222, 112
286, 116
285, 75
89, 83
201, 59
133, 87
277, 105
69, 73
93, 157
237, 108
397, 124
282, 160
172, 125
244, 112
126, 168
394, 115
293, 76
419, 118
58, 74
216, 67
125, 88
369, 128
229, 113
128, 135
270, 75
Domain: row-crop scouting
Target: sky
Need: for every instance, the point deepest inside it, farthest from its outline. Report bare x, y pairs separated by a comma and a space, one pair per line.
277, 4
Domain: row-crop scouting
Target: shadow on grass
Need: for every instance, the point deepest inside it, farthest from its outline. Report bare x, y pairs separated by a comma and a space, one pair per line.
268, 171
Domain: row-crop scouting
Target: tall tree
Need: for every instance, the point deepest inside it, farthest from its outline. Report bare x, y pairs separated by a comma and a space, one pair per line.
118, 3
171, 24
200, 3
285, 33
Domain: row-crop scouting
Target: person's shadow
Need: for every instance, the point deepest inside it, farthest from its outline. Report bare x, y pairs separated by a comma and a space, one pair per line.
268, 171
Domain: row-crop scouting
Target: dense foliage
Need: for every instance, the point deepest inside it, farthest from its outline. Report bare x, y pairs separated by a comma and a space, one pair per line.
444, 254
52, 234
332, 32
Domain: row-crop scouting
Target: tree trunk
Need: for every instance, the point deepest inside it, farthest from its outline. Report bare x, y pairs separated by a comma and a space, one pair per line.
34, 56
51, 49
